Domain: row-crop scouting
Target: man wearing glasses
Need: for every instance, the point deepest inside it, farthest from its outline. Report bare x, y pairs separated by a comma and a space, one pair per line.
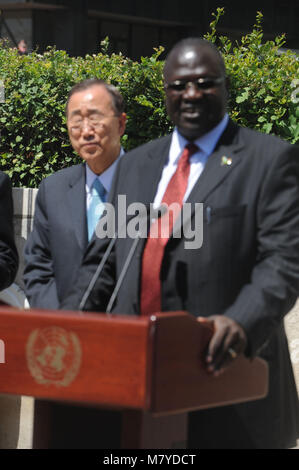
245, 276
70, 202
68, 206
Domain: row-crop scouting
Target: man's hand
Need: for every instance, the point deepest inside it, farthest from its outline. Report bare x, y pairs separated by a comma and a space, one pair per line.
228, 341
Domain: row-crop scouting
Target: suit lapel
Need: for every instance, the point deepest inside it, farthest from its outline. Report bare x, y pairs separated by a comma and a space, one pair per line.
76, 200
220, 164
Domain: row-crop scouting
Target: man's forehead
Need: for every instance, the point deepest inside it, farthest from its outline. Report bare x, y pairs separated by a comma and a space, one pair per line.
191, 56
91, 93
94, 97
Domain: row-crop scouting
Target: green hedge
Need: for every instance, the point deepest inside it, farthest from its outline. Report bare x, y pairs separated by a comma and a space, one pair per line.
264, 83
34, 140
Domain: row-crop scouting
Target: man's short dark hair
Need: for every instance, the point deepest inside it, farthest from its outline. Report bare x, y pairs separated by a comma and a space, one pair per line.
193, 42
117, 99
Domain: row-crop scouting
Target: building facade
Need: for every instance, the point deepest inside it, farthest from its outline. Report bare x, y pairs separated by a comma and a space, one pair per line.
135, 27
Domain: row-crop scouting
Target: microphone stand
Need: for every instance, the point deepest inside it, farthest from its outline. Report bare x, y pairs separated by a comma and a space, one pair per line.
158, 213
123, 273
97, 272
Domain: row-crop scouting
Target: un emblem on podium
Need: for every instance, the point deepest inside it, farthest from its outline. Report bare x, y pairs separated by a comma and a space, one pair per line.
53, 356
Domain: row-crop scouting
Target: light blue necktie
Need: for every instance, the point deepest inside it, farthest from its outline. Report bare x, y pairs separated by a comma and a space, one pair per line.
96, 207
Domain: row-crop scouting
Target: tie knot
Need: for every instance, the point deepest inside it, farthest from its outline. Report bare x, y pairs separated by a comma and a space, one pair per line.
188, 151
191, 148
98, 189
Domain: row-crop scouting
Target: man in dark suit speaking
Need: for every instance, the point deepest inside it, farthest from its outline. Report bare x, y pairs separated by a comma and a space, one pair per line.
70, 201
245, 276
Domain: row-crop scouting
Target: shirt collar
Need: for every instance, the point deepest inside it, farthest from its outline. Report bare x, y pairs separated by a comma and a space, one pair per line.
206, 142
105, 177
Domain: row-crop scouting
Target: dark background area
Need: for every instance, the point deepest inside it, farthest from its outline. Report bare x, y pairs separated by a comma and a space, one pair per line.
135, 27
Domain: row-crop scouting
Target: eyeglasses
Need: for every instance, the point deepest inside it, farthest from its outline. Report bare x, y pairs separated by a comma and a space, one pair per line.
199, 83
96, 122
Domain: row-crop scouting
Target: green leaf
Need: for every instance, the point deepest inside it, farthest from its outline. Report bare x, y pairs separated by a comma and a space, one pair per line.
268, 127
243, 97
268, 98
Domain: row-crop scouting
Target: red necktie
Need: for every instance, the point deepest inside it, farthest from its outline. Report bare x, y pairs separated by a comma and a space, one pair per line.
150, 299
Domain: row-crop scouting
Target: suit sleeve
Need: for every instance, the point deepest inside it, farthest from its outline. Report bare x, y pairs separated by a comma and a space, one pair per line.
39, 279
8, 251
274, 284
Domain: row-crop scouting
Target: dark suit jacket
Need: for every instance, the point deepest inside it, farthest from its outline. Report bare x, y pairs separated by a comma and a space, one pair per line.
8, 252
247, 269
56, 245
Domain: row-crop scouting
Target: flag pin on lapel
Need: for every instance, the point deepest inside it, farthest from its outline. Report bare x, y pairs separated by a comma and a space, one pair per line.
226, 161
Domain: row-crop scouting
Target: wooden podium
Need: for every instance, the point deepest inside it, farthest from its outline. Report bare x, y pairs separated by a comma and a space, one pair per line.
149, 368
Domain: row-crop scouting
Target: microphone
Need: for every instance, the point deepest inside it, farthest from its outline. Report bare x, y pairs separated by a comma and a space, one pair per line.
97, 272
154, 214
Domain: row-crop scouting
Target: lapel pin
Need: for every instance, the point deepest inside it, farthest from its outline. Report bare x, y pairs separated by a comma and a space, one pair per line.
226, 161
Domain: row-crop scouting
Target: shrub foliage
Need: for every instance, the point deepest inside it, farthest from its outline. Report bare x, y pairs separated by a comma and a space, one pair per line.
34, 142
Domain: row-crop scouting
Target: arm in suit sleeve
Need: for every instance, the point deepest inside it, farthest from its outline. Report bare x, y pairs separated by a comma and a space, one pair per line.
8, 251
274, 285
39, 279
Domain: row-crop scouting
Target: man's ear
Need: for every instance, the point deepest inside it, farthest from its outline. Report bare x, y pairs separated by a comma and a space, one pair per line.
122, 123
